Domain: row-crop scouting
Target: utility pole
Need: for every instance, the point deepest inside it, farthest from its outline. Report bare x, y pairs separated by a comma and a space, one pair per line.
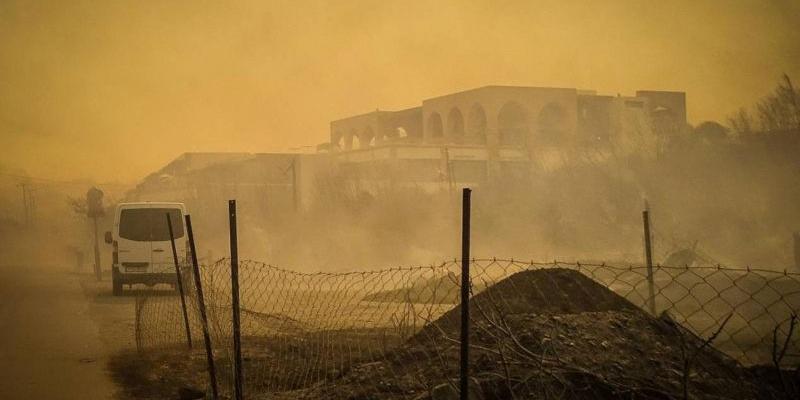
25, 203
94, 210
294, 184
295, 193
447, 171
32, 206
97, 271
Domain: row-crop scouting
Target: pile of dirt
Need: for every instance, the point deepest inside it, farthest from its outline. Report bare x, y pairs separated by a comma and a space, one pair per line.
543, 291
552, 333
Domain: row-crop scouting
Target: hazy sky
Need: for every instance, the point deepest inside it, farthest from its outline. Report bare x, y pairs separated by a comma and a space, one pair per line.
112, 90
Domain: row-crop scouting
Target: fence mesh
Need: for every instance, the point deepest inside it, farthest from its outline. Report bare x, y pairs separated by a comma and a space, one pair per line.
555, 329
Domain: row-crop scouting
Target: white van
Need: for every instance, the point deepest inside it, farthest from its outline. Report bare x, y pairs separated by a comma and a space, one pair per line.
142, 250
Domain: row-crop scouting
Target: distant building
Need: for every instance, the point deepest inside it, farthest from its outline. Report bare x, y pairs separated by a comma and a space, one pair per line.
458, 139
206, 181
467, 137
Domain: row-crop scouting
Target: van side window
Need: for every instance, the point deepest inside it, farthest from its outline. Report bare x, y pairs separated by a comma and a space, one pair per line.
149, 224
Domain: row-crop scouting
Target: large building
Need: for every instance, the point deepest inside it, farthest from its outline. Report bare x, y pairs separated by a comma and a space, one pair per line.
454, 140
467, 137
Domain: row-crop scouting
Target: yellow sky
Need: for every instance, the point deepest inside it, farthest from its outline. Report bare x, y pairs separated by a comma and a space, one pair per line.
112, 90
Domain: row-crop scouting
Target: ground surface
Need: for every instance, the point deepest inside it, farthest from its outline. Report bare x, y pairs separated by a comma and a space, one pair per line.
59, 331
52, 347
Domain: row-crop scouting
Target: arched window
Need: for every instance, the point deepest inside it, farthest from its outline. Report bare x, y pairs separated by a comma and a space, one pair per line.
367, 137
338, 141
455, 125
348, 140
512, 124
434, 127
476, 124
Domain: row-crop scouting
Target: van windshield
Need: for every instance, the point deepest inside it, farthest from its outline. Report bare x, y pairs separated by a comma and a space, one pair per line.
149, 224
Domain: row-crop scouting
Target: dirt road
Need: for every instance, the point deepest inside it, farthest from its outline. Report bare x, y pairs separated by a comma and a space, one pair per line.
57, 331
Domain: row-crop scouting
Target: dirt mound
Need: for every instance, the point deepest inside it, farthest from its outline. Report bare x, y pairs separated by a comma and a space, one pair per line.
545, 291
552, 333
597, 355
550, 291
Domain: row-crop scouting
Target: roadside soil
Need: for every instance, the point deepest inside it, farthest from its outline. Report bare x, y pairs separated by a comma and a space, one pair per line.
115, 318
52, 344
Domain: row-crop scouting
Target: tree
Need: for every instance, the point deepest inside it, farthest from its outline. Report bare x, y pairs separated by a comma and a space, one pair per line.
741, 122
778, 111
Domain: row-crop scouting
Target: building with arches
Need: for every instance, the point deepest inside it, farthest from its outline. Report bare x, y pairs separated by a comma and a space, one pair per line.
467, 137
455, 140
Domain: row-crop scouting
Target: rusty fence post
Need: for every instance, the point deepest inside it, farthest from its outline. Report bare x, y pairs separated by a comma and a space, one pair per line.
237, 340
648, 252
201, 305
180, 281
465, 283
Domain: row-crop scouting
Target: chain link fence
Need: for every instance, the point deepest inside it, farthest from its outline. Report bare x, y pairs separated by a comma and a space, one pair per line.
552, 330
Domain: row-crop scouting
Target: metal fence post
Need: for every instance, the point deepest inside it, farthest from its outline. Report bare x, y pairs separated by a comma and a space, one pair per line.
465, 283
648, 251
180, 281
237, 344
201, 304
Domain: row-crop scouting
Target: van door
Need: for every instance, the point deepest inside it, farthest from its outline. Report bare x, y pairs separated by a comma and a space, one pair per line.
133, 240
144, 242
161, 250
